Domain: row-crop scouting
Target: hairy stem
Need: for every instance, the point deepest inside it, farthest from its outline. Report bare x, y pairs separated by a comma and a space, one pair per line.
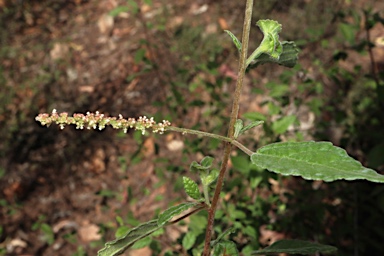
242, 147
211, 135
231, 130
200, 133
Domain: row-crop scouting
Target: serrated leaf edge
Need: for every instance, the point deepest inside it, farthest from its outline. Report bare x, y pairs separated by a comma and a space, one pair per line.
339, 151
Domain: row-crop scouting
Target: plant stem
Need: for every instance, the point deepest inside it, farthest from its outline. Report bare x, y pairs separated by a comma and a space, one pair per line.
196, 132
242, 147
235, 111
206, 194
212, 135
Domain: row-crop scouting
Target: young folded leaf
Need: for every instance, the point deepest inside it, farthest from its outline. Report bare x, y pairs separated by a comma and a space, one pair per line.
251, 125
208, 178
270, 44
196, 167
288, 57
238, 128
207, 161
235, 40
205, 164
313, 161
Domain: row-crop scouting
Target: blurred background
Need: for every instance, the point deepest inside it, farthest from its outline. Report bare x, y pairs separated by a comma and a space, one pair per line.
68, 192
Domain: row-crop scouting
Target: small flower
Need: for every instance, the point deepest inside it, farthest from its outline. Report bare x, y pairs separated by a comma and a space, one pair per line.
100, 121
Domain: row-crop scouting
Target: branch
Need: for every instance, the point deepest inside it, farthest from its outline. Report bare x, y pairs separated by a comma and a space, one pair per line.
211, 135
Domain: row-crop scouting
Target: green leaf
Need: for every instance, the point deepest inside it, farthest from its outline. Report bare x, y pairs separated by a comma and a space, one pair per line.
142, 243
116, 11
290, 54
270, 44
278, 90
120, 220
191, 188
296, 247
238, 127
119, 245
189, 240
250, 231
288, 57
205, 164
281, 126
134, 6
139, 55
349, 32
121, 231
251, 125
207, 161
273, 108
225, 248
222, 235
168, 214
235, 40
49, 236
313, 161
241, 163
208, 178
195, 167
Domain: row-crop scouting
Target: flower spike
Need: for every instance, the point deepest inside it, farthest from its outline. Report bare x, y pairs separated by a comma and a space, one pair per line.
100, 121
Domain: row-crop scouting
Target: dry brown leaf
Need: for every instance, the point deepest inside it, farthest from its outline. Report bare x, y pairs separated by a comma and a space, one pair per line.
144, 8
63, 224
13, 190
268, 237
196, 10
89, 232
14, 243
105, 23
87, 88
175, 145
148, 147
174, 22
98, 161
223, 24
59, 51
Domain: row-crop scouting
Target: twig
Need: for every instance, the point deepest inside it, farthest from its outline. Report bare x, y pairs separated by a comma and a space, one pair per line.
211, 135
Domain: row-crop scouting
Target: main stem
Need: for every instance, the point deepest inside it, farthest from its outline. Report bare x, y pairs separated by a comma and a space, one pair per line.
231, 130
